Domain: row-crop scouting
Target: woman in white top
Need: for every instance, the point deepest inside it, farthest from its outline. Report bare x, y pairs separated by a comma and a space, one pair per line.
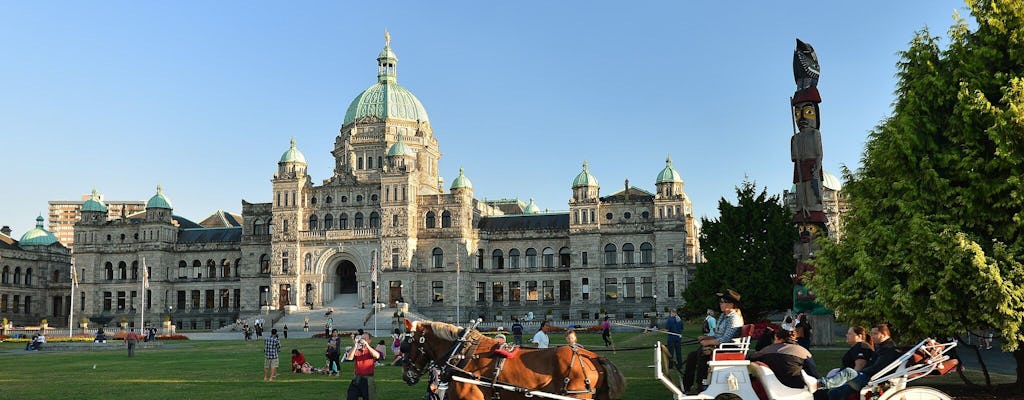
541, 338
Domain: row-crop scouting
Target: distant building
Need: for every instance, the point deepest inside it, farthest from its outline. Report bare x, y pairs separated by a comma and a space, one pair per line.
833, 202
35, 277
63, 214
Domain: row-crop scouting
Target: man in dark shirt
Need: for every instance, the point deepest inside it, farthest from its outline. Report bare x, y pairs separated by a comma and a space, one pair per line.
674, 330
885, 354
787, 359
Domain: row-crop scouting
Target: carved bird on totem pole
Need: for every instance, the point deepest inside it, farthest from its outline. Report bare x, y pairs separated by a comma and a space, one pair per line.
805, 66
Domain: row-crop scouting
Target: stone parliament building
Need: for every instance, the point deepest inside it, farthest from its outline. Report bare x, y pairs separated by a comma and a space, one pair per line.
384, 216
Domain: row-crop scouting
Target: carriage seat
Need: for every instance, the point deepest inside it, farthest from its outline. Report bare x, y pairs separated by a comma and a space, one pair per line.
775, 389
737, 349
932, 353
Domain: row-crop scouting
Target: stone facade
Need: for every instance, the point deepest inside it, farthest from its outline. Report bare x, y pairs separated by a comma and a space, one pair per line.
35, 282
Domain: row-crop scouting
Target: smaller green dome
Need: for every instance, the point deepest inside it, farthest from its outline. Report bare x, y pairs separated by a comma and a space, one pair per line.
461, 182
94, 204
159, 200
669, 174
38, 236
400, 149
293, 155
584, 178
531, 208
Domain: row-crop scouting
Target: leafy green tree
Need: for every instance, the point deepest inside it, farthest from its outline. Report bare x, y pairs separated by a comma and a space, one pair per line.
749, 249
934, 239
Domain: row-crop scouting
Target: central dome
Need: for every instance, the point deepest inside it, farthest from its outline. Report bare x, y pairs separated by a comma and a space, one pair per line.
386, 99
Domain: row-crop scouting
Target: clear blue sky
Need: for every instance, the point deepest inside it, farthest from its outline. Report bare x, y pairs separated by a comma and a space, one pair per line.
203, 96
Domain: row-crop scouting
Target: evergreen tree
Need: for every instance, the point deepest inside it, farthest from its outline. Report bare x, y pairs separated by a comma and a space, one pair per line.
933, 241
749, 249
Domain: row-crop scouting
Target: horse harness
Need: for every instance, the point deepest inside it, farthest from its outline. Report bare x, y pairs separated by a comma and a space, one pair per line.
464, 350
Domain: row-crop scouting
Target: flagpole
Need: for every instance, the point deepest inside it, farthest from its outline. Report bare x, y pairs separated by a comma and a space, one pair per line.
71, 315
458, 277
145, 283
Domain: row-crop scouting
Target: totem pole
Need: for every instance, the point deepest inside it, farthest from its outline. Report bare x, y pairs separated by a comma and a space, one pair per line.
805, 151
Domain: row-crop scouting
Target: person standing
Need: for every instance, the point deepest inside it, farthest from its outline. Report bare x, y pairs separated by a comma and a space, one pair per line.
517, 331
365, 357
131, 339
606, 333
540, 339
803, 331
305, 324
271, 348
285, 331
334, 353
674, 328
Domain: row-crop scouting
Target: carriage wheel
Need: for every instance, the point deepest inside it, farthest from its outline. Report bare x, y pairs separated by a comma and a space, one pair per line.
728, 396
920, 393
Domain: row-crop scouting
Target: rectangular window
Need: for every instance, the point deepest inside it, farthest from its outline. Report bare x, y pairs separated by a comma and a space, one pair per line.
514, 292
531, 290
671, 286
195, 300
225, 298
17, 304
513, 259
284, 258
564, 290
671, 257
629, 287
28, 303
181, 300
585, 288
583, 255
549, 260
531, 258
498, 292
238, 298
647, 287
481, 291
549, 290
209, 298
3, 303
627, 255
479, 258
611, 288
646, 255
121, 300
437, 288
394, 257
131, 299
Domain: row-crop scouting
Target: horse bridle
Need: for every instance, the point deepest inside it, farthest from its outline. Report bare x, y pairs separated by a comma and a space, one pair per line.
455, 352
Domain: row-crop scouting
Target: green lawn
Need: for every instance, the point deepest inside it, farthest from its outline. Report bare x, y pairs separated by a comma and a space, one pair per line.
233, 369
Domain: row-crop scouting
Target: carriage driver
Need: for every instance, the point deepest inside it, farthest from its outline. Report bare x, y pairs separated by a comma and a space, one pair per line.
728, 327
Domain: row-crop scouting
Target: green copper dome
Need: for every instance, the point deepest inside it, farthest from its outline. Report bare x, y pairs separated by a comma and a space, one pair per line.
94, 204
159, 200
293, 155
531, 208
584, 178
386, 99
400, 149
38, 236
461, 182
669, 174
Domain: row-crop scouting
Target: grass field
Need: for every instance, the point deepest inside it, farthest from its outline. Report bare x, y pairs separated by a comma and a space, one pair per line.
221, 370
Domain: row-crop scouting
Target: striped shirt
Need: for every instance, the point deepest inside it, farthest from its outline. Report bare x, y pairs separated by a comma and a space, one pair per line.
271, 346
728, 326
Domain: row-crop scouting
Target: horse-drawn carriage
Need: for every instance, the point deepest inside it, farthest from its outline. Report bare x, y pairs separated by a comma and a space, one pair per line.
732, 376
478, 367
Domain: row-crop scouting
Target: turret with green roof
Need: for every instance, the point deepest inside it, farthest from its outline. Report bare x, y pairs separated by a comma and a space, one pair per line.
669, 174
38, 236
293, 155
159, 200
94, 204
461, 182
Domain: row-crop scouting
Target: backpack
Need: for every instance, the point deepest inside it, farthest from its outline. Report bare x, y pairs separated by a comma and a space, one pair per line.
397, 343
706, 327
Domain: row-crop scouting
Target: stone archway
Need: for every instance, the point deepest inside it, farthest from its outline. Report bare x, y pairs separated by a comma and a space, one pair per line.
345, 278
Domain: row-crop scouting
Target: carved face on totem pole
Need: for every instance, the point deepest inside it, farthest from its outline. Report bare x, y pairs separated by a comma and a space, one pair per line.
806, 115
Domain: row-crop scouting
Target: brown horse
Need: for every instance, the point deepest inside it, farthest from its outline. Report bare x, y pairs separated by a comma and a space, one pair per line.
569, 371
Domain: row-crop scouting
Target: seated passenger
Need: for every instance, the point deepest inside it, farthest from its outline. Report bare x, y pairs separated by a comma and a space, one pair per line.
728, 327
885, 354
786, 358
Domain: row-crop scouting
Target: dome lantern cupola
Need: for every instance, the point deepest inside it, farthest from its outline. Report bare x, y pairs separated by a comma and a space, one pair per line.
669, 182
400, 149
38, 236
585, 186
386, 99
159, 200
531, 208
461, 182
387, 62
293, 155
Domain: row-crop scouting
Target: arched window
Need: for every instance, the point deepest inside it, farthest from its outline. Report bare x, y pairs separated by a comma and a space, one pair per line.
549, 258
182, 269
135, 270
437, 258
357, 222
313, 222
197, 268
627, 253
497, 259
258, 227
238, 266
430, 219
264, 264
513, 259
446, 219
56, 276
108, 271
6, 278
609, 254
211, 269
531, 258
564, 257
329, 221
225, 268
17, 275
374, 220
646, 253
28, 282
343, 221
122, 270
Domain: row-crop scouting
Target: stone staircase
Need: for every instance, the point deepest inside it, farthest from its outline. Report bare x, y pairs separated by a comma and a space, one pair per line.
348, 315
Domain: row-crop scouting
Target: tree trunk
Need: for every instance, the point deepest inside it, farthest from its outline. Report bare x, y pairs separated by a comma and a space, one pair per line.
1018, 355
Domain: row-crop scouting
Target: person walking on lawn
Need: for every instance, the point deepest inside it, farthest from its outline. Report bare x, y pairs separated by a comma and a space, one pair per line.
271, 348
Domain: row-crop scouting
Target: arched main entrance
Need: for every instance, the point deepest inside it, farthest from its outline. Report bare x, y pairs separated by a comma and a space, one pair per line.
345, 278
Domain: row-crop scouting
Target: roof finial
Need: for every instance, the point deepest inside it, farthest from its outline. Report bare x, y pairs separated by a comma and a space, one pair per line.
387, 38
460, 171
159, 189
586, 166
293, 142
668, 160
